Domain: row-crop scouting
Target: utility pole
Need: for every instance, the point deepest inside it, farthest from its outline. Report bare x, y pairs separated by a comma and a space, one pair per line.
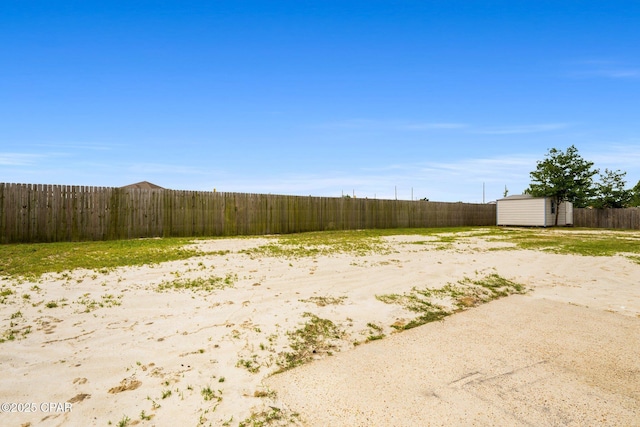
483, 193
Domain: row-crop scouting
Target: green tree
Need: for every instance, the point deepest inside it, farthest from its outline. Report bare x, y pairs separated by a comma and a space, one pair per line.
563, 176
610, 191
635, 195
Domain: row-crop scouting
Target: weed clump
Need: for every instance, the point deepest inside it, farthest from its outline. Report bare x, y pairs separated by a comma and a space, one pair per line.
436, 304
207, 284
209, 394
252, 365
375, 332
318, 336
272, 417
324, 301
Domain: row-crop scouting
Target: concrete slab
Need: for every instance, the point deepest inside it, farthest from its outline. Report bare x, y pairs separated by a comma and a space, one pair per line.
518, 361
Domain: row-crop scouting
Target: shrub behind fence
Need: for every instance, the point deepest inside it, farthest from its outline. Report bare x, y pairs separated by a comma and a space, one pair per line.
51, 213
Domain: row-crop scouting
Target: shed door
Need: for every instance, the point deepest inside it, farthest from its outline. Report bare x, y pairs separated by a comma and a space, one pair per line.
569, 214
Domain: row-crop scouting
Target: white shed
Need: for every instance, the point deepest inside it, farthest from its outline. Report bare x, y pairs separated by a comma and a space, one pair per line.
527, 210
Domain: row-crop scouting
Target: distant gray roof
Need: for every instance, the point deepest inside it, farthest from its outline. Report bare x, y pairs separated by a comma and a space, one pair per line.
144, 185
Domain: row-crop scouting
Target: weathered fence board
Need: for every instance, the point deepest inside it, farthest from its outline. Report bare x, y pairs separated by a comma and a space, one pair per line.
50, 213
628, 218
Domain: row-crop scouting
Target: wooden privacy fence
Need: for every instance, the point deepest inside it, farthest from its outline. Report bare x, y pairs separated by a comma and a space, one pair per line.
52, 213
628, 218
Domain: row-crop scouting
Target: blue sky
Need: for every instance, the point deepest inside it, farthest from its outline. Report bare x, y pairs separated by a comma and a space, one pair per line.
372, 98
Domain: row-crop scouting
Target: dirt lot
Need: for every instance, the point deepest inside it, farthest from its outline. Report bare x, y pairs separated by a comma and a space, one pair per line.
201, 340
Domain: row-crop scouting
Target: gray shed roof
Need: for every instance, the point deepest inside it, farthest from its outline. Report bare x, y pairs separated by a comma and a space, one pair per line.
519, 196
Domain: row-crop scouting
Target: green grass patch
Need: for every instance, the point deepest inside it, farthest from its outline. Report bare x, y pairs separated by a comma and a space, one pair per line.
497, 285
635, 259
579, 241
322, 243
358, 242
33, 260
576, 241
431, 305
436, 231
30, 261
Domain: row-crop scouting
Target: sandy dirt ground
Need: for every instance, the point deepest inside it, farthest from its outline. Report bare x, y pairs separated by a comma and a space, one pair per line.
127, 347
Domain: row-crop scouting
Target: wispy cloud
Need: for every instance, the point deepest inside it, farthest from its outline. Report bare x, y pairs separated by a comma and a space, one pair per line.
19, 159
425, 126
393, 125
613, 73
163, 168
487, 167
43, 152
621, 73
456, 180
606, 69
523, 129
430, 126
614, 156
77, 146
